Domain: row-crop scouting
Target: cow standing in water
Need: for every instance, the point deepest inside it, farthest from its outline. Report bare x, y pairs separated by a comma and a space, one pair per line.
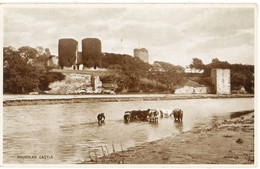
127, 116
101, 118
136, 115
153, 115
178, 114
166, 113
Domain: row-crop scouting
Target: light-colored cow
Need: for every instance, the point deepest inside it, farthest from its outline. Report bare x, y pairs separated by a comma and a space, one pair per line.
153, 115
166, 113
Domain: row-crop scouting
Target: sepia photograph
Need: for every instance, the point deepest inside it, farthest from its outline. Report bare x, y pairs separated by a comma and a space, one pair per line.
161, 84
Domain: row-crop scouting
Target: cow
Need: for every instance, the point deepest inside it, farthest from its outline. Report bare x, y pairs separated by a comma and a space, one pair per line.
153, 115
136, 115
127, 116
143, 114
166, 113
178, 114
101, 118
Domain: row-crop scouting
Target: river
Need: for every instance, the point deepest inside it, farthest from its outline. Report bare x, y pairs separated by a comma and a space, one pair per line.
69, 133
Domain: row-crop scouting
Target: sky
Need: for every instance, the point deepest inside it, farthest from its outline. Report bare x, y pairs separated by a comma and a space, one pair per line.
171, 33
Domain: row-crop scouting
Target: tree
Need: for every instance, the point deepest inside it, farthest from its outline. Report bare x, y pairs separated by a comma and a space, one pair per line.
21, 76
28, 52
197, 64
238, 80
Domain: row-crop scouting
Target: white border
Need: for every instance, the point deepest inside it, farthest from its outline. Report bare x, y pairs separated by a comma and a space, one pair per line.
114, 2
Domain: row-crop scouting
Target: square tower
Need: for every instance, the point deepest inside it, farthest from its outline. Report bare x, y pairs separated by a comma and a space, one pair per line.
221, 81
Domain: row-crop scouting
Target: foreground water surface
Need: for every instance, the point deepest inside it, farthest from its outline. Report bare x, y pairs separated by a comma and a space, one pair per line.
69, 133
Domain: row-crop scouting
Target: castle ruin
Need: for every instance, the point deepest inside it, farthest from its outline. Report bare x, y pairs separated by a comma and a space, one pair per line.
142, 54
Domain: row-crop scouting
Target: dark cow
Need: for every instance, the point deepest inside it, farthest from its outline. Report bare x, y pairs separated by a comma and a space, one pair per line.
127, 116
136, 115
143, 114
178, 114
101, 118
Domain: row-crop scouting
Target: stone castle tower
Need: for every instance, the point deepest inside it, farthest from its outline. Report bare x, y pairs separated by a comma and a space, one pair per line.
142, 54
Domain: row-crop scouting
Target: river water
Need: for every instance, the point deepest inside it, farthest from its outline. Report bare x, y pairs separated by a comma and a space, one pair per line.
69, 133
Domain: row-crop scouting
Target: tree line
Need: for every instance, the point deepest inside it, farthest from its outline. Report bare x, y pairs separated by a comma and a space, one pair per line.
26, 70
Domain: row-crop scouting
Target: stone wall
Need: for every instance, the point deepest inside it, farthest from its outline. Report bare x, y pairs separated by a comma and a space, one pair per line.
77, 84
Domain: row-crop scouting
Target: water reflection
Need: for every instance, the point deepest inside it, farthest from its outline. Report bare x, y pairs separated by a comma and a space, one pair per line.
154, 124
178, 125
101, 123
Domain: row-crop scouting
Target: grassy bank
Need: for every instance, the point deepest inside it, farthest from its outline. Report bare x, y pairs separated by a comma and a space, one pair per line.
229, 141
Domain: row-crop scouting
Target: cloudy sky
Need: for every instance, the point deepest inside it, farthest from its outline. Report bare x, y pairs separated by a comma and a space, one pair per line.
171, 33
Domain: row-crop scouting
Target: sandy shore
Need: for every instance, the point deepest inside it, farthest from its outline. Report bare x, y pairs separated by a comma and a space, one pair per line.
16, 100
222, 142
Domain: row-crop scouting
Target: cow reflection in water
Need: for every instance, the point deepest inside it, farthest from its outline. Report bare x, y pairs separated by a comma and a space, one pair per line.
101, 118
178, 125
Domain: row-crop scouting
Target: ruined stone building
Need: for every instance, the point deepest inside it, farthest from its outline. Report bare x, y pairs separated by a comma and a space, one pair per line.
142, 54
68, 50
221, 81
91, 52
79, 62
71, 58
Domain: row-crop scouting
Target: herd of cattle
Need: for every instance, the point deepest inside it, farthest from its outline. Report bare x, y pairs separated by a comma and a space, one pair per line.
153, 115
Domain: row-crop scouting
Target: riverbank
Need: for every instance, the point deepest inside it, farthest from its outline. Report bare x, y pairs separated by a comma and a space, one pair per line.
229, 141
16, 100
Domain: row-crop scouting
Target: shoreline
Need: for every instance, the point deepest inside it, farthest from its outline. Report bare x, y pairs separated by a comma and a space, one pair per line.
229, 141
16, 100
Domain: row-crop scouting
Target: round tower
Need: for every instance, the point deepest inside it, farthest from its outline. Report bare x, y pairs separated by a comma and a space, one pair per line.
68, 49
91, 52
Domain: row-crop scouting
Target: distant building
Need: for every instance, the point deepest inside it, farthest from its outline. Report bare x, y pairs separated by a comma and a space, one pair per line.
142, 54
221, 81
191, 87
193, 70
